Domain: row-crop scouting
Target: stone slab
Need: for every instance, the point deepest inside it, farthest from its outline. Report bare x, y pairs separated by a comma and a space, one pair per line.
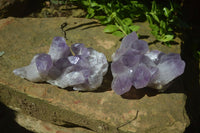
143, 110
38, 126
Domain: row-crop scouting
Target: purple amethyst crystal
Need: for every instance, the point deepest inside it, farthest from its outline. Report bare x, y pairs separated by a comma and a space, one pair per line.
43, 63
80, 49
122, 84
134, 65
59, 49
84, 71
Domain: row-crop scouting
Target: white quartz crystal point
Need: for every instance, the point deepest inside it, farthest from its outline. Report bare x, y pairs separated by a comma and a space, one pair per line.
59, 49
170, 66
29, 72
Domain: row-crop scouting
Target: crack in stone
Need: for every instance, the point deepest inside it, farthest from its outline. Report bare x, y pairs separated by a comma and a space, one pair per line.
128, 121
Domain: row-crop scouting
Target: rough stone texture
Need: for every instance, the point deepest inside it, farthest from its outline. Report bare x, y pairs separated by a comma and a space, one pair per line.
38, 126
102, 110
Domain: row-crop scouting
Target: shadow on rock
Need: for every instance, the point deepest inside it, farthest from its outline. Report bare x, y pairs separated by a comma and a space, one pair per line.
176, 86
89, 25
107, 81
139, 93
143, 37
171, 42
7, 121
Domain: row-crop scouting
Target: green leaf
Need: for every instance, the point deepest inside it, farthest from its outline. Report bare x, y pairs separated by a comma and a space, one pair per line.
134, 27
93, 4
166, 12
155, 17
90, 10
162, 24
134, 2
100, 17
118, 33
91, 13
149, 19
2, 53
85, 3
106, 21
171, 20
127, 21
154, 7
172, 7
155, 30
170, 29
166, 38
155, 33
154, 27
110, 28
113, 15
125, 29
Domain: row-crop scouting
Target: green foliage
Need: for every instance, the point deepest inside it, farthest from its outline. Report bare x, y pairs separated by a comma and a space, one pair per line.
119, 16
162, 21
116, 14
121, 27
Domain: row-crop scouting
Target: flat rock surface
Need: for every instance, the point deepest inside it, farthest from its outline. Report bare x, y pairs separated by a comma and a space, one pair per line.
38, 126
143, 110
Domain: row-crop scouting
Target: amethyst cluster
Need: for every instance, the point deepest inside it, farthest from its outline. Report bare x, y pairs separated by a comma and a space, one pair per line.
134, 65
83, 69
